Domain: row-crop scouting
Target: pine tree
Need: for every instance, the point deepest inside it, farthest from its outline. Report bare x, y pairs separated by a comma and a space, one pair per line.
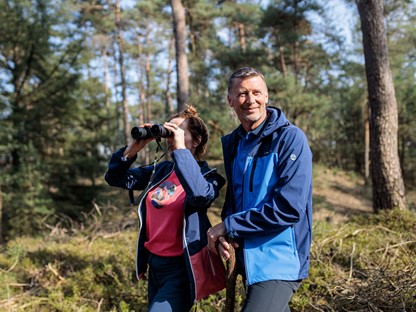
388, 185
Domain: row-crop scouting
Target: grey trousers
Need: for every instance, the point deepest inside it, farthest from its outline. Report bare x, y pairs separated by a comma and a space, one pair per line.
270, 296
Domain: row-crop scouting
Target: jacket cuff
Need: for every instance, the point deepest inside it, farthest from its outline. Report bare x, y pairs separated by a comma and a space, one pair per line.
228, 231
119, 155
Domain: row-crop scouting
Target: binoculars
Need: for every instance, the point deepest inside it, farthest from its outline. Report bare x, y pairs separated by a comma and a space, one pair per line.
155, 131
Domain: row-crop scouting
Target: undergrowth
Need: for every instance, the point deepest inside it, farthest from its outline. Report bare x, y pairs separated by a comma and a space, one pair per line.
365, 264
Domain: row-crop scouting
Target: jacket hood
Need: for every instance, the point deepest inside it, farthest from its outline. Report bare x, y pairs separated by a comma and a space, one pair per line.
276, 119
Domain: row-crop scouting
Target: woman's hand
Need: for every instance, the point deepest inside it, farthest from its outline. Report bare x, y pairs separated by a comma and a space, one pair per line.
137, 144
178, 140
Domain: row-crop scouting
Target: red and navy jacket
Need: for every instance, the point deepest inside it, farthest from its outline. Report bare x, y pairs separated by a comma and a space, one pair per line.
202, 185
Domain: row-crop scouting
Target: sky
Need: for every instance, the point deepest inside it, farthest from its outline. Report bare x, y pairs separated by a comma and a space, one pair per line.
345, 16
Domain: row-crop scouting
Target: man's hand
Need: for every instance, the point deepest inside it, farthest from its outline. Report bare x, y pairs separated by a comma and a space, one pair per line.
214, 233
216, 238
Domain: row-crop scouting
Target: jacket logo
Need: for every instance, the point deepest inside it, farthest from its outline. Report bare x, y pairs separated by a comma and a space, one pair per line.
130, 182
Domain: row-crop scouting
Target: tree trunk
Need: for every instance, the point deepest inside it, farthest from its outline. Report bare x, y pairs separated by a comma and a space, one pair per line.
168, 100
367, 145
295, 60
148, 112
126, 124
142, 96
242, 35
1, 217
142, 111
179, 26
105, 86
388, 186
282, 62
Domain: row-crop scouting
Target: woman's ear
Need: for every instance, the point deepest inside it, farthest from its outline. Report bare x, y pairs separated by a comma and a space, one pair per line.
197, 141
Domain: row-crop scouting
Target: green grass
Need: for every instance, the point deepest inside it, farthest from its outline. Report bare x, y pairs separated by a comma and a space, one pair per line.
366, 263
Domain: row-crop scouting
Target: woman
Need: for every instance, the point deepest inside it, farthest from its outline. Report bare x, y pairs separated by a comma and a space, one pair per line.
172, 214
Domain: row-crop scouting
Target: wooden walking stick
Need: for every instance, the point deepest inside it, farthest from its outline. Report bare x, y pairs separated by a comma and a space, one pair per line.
231, 271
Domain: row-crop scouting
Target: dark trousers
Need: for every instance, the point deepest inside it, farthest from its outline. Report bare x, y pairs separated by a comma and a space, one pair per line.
270, 296
168, 285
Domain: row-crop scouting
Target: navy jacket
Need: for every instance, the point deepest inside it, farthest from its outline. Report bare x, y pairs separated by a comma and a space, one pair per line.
274, 226
201, 185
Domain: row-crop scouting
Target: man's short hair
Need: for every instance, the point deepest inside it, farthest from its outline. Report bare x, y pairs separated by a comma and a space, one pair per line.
244, 73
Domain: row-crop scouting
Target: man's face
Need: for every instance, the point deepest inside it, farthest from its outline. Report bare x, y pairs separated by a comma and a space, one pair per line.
248, 97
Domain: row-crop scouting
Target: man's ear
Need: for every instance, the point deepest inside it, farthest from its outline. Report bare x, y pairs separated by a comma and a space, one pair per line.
229, 101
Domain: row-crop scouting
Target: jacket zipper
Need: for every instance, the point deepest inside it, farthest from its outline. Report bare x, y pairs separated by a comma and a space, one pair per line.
252, 173
141, 219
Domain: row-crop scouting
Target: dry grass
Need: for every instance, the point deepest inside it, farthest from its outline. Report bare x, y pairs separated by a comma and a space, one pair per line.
359, 261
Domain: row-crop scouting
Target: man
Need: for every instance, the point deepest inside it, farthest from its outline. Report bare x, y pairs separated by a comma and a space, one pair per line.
268, 207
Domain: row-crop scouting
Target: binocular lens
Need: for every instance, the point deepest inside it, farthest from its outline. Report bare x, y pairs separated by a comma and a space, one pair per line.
140, 132
159, 131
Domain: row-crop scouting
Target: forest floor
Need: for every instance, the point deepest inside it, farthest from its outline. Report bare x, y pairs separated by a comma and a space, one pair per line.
90, 267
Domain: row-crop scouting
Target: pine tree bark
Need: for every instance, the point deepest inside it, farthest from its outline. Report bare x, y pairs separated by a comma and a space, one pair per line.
179, 26
1, 217
282, 62
126, 124
168, 99
386, 174
242, 36
143, 105
367, 145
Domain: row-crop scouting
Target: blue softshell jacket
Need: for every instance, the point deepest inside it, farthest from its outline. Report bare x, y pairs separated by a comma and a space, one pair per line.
274, 226
202, 185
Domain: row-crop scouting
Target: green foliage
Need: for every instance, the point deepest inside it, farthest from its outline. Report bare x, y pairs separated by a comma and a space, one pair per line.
45, 112
27, 203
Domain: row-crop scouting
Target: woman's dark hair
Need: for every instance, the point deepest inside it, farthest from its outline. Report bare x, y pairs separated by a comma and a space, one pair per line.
196, 127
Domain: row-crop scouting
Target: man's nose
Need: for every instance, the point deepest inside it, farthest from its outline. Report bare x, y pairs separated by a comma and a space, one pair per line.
251, 98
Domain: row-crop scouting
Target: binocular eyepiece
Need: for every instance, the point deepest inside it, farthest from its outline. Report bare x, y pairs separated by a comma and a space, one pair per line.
155, 131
